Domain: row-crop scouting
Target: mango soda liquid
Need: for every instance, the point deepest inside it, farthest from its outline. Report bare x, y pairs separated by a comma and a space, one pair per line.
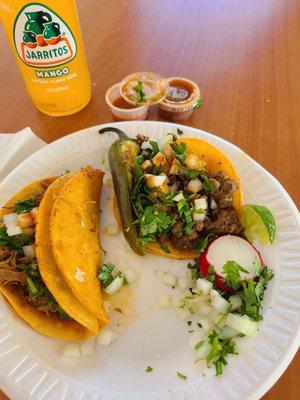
48, 46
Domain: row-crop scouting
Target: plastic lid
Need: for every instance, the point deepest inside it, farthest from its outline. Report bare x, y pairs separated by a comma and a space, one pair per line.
143, 88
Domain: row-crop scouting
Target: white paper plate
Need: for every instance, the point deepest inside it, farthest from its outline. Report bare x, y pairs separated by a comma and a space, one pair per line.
32, 366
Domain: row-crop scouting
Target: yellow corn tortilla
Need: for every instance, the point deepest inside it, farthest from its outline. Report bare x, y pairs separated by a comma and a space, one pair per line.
216, 161
49, 270
48, 325
74, 232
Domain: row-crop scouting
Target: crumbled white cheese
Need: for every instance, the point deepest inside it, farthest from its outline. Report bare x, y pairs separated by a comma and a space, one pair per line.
79, 275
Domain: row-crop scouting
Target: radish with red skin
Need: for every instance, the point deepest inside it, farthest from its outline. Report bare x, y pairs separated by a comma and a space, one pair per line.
229, 248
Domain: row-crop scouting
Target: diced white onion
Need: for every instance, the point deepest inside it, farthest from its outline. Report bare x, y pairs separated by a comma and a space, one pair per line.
168, 152
107, 337
178, 196
228, 333
115, 285
219, 320
175, 167
87, 348
235, 301
146, 164
203, 286
155, 180
71, 350
183, 313
218, 302
196, 337
184, 283
192, 161
204, 350
164, 300
201, 203
10, 219
194, 185
167, 139
112, 229
243, 324
25, 219
167, 277
206, 309
159, 159
29, 251
13, 230
146, 145
207, 324
107, 306
130, 275
213, 204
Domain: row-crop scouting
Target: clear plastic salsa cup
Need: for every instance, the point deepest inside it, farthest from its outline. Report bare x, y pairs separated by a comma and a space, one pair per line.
182, 98
121, 109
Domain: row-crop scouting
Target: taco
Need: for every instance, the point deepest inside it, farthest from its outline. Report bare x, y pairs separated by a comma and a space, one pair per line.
173, 194
74, 232
21, 282
48, 268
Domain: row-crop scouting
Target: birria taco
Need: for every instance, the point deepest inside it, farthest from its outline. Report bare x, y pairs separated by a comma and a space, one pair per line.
30, 279
173, 194
75, 225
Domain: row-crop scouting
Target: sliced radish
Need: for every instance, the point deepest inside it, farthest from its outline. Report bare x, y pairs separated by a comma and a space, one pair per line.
229, 248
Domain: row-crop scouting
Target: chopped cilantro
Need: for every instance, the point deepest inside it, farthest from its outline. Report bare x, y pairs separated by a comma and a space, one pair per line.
154, 146
24, 206
253, 293
186, 211
197, 104
149, 369
180, 150
189, 323
205, 242
14, 242
206, 182
31, 286
211, 274
181, 376
67, 171
195, 269
105, 273
140, 94
220, 348
199, 325
179, 131
165, 248
153, 222
232, 272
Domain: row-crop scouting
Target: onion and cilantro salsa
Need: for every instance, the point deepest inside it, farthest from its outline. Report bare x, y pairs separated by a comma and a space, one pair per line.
18, 264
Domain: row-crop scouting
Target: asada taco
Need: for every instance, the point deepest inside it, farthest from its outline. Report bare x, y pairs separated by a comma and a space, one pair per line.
74, 233
21, 282
173, 194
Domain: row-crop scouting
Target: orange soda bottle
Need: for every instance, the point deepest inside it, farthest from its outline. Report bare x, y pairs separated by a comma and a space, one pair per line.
48, 46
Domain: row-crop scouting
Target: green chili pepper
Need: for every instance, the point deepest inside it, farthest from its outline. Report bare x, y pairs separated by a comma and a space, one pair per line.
121, 158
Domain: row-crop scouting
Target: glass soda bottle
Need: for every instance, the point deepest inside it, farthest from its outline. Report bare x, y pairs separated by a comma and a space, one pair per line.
48, 46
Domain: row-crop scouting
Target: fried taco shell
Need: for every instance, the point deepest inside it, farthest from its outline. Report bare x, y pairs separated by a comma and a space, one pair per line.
49, 324
74, 232
49, 270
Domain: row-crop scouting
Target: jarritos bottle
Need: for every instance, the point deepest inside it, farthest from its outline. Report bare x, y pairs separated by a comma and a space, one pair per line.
47, 43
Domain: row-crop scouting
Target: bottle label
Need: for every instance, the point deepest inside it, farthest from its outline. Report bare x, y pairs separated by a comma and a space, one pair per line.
42, 38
